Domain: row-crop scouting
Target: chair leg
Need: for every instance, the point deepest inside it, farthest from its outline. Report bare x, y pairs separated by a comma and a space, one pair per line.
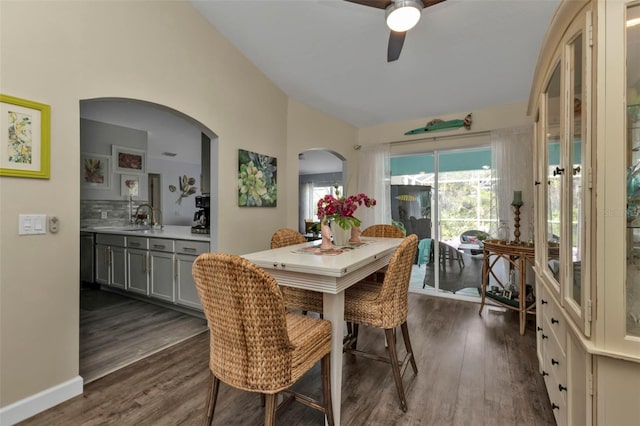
214, 385
355, 335
325, 372
270, 410
395, 366
407, 345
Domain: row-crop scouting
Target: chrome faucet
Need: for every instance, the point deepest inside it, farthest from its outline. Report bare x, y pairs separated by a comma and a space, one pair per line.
152, 210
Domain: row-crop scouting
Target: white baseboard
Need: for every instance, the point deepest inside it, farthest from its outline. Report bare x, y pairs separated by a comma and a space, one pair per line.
34, 404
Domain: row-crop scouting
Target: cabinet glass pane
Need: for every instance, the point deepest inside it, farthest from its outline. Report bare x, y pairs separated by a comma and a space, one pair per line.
554, 170
633, 171
573, 288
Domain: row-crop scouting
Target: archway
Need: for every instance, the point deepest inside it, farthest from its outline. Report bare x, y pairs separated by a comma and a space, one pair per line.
320, 171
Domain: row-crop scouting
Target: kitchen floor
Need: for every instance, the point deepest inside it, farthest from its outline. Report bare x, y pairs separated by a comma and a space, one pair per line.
116, 331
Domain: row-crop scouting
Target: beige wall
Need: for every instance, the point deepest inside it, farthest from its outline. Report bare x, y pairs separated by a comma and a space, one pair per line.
484, 120
59, 53
309, 129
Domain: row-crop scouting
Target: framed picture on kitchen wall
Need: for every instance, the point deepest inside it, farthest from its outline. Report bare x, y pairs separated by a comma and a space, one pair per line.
24, 138
130, 186
95, 171
257, 183
128, 160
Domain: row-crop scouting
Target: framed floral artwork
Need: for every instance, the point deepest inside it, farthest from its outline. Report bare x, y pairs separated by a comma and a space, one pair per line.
129, 185
95, 171
257, 183
24, 138
128, 160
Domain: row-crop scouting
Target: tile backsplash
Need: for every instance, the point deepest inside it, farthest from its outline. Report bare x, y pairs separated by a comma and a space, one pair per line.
117, 212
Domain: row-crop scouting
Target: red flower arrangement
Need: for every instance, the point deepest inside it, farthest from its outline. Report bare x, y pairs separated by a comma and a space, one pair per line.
341, 210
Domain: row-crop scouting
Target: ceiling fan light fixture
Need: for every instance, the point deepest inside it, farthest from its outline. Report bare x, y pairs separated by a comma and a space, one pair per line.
402, 15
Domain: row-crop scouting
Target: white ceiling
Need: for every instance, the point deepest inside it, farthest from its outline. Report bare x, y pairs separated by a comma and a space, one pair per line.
331, 54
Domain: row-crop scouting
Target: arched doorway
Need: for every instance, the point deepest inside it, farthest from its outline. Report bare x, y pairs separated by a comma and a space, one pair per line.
117, 327
320, 172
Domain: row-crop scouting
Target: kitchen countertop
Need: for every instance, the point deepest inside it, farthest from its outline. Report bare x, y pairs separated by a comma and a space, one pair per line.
168, 231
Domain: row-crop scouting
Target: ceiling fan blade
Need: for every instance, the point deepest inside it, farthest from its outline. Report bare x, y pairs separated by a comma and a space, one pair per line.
428, 3
378, 4
396, 40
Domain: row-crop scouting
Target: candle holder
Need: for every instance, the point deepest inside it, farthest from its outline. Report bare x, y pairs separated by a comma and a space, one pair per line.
516, 212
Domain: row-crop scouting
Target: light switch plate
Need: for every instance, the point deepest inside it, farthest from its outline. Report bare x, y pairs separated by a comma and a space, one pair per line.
32, 224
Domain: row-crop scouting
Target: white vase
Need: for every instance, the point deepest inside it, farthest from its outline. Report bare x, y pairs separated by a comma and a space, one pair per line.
340, 236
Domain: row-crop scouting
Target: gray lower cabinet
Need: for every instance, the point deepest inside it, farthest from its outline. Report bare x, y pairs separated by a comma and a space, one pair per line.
161, 275
138, 268
186, 253
138, 265
111, 262
87, 256
155, 267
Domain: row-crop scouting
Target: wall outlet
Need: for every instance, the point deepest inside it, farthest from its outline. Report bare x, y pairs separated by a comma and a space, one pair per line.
103, 214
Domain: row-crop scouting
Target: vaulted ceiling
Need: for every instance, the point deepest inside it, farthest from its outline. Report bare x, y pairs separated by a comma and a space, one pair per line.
332, 54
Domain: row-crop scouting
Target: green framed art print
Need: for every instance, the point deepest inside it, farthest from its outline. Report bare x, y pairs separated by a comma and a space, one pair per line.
24, 138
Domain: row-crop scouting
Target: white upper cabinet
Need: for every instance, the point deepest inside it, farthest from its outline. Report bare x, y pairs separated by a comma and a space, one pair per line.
564, 193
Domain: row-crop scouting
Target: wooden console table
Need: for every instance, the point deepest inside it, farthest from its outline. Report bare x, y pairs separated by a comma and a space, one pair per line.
517, 256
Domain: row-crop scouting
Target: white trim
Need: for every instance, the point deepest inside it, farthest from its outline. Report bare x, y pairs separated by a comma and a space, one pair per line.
37, 403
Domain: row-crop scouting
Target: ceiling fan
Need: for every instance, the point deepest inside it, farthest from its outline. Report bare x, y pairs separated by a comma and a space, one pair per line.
401, 16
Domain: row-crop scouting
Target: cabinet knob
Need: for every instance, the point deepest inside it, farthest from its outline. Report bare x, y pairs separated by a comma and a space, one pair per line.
543, 302
555, 362
539, 328
558, 171
562, 388
544, 336
554, 321
576, 170
544, 373
537, 182
554, 406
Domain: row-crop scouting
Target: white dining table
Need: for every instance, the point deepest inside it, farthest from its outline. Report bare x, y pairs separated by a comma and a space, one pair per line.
330, 275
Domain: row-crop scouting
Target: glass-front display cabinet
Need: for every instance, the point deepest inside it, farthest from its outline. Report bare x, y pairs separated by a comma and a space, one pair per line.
633, 171
585, 104
563, 132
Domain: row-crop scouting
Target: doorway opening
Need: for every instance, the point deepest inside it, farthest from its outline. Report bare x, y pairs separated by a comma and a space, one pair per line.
121, 319
320, 173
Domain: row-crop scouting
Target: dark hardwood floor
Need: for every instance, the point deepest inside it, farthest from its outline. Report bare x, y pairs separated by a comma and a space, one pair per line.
116, 331
472, 370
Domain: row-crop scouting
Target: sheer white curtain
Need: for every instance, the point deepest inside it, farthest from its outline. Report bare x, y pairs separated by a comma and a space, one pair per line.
306, 204
374, 179
512, 170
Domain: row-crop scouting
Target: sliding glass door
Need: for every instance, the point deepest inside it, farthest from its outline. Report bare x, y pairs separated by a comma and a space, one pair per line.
449, 192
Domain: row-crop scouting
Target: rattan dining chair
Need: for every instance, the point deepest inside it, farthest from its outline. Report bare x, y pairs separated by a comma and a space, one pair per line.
255, 344
296, 298
381, 231
385, 306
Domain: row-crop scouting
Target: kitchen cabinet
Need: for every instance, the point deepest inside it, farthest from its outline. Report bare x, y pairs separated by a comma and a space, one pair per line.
161, 270
150, 267
87, 255
154, 267
111, 260
186, 253
138, 265
587, 206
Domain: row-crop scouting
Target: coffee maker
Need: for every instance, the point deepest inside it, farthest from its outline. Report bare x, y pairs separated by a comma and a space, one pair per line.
201, 216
